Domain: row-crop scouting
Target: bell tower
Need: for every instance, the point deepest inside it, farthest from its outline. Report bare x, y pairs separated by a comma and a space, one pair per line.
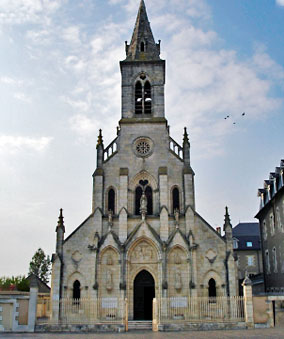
143, 73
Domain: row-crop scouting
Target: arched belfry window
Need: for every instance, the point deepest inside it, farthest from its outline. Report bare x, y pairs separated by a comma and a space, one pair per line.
111, 200
212, 288
147, 98
142, 47
175, 198
76, 290
138, 98
149, 196
143, 96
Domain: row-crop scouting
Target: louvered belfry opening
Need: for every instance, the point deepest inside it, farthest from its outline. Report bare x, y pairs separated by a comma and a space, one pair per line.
147, 98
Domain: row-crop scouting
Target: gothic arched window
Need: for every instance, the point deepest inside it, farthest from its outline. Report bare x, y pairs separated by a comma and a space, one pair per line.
138, 98
111, 200
138, 195
76, 290
149, 196
175, 197
142, 47
212, 288
147, 98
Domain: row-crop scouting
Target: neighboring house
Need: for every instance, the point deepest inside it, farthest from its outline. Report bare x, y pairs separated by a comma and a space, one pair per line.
144, 237
247, 247
271, 219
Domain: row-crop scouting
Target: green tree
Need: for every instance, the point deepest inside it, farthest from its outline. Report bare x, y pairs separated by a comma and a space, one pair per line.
40, 265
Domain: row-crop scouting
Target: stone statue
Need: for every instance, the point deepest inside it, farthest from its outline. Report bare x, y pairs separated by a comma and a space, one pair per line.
176, 212
178, 282
109, 284
143, 205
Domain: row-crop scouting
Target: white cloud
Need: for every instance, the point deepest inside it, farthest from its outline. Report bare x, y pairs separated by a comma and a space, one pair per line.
13, 144
22, 97
11, 81
84, 126
280, 2
27, 11
72, 34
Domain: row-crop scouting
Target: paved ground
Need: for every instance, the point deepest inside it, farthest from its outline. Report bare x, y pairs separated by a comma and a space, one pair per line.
252, 334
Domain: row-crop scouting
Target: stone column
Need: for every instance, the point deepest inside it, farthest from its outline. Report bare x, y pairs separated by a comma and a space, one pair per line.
98, 189
123, 188
55, 288
32, 305
155, 323
164, 204
248, 303
189, 195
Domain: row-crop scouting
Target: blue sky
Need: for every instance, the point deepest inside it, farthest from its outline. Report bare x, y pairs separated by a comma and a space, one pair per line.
60, 83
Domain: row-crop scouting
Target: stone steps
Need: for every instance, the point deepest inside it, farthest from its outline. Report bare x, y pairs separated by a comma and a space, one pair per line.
140, 324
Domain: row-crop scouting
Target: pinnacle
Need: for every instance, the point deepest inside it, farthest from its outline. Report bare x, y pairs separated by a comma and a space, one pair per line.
142, 46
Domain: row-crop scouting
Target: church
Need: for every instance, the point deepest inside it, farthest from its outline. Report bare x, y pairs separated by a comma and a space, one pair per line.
144, 238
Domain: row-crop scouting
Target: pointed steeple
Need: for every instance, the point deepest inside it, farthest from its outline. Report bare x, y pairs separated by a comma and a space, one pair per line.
60, 230
142, 46
228, 229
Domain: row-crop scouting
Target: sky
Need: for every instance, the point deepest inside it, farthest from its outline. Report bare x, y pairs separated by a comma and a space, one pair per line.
60, 83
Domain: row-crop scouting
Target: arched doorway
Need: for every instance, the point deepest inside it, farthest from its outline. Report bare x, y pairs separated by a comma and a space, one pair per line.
144, 292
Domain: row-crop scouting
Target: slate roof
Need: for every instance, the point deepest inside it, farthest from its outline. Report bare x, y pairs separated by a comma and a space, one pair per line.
142, 32
247, 232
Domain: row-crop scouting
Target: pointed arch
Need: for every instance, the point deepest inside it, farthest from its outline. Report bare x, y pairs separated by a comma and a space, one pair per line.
76, 290
142, 46
111, 200
212, 291
175, 199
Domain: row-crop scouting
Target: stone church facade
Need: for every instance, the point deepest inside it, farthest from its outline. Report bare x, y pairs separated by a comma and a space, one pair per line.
144, 237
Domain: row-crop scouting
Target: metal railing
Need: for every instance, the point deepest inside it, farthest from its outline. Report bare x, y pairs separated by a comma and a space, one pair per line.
219, 309
87, 311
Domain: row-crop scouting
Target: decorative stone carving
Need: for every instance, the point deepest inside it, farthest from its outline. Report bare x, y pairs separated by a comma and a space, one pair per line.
109, 283
76, 258
178, 280
211, 256
109, 220
143, 253
177, 258
109, 260
176, 213
143, 205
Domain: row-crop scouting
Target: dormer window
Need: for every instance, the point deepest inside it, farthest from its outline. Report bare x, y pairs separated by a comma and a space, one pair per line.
143, 97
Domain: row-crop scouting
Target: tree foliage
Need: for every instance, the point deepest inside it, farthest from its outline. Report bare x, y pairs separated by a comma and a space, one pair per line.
40, 265
18, 283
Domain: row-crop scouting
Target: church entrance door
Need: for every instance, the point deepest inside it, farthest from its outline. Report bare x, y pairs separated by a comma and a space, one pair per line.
144, 293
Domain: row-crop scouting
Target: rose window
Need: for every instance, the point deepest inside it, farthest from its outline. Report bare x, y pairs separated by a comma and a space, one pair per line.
143, 147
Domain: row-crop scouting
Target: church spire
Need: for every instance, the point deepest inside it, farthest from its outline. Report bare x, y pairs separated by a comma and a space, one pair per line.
142, 46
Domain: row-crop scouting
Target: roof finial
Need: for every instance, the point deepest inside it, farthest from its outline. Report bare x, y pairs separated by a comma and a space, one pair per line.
60, 223
100, 139
227, 219
185, 136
